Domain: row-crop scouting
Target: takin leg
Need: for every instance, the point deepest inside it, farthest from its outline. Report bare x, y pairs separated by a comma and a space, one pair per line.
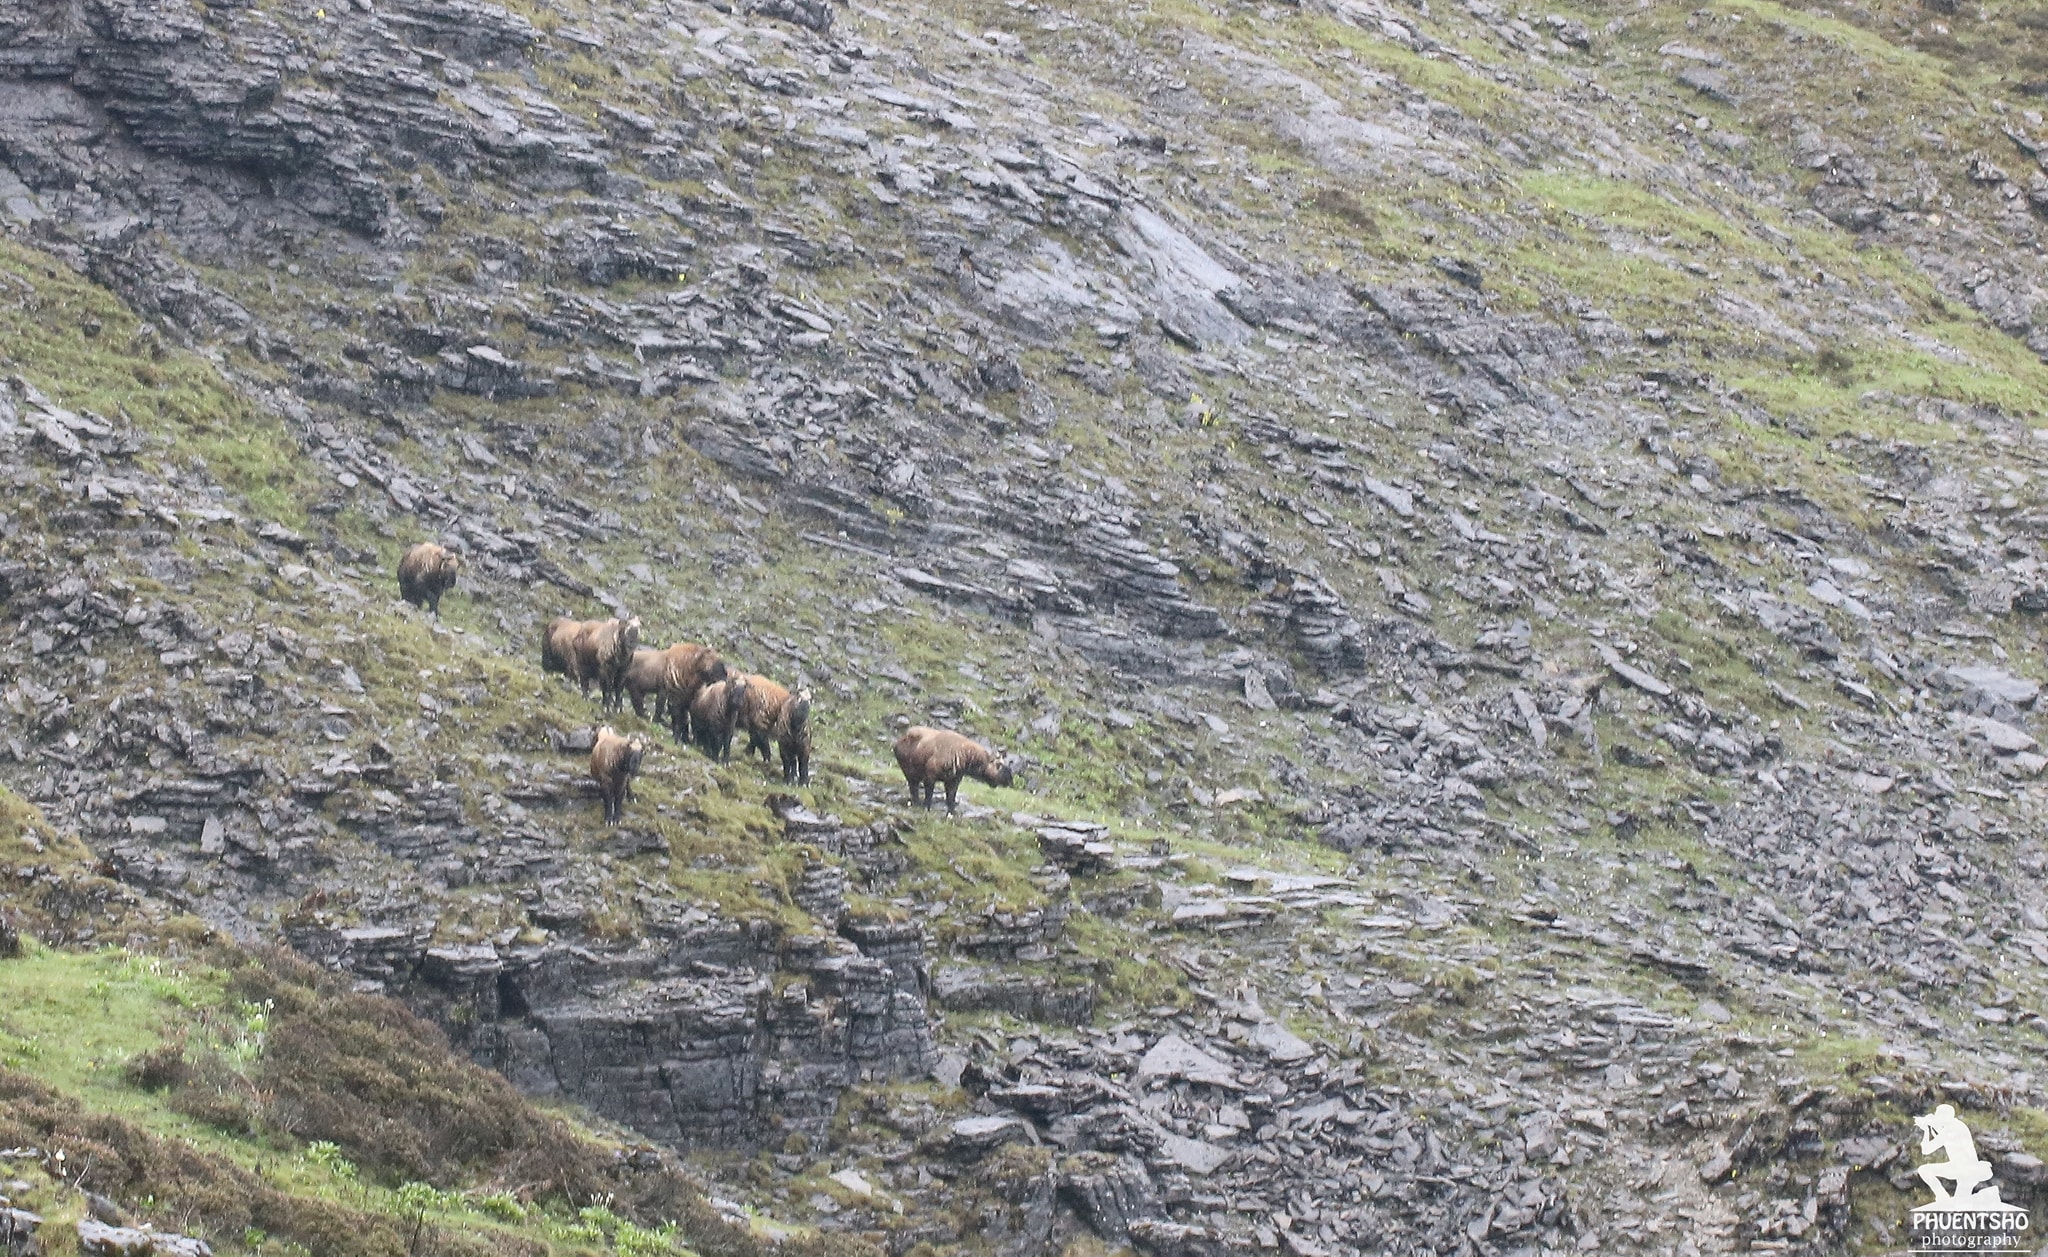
952, 795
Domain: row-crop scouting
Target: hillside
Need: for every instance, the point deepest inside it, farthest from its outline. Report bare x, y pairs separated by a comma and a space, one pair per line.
1505, 547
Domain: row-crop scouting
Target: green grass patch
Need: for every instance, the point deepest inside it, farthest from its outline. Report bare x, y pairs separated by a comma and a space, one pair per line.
77, 343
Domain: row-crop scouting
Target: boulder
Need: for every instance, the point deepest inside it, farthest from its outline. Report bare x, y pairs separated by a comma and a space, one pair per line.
98, 1239
1175, 1057
18, 1233
972, 1138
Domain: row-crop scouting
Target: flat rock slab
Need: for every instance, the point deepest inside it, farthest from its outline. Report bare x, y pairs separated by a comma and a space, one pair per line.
97, 1239
1193, 1155
1399, 500
1633, 675
1998, 683
1280, 1043
854, 1181
979, 1136
1280, 883
1175, 1057
2001, 736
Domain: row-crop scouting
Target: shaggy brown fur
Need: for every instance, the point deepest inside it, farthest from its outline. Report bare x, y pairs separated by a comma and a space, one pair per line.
771, 714
425, 573
930, 756
607, 655
601, 654
715, 715
558, 645
613, 762
643, 680
690, 668
589, 651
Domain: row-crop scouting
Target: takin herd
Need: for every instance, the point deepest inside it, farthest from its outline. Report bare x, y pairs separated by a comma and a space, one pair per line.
702, 700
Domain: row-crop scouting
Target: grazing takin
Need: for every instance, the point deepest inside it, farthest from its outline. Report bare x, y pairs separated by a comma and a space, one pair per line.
715, 715
771, 714
689, 668
425, 573
930, 756
613, 763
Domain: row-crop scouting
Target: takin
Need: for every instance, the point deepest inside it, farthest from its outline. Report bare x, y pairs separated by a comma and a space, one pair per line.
688, 669
715, 715
607, 651
613, 763
771, 714
643, 680
930, 756
592, 650
425, 573
558, 643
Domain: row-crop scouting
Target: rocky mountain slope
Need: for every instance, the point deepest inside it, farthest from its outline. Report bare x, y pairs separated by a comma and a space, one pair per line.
1505, 543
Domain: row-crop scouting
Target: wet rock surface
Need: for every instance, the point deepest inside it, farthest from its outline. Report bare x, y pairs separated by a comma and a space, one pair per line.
1505, 744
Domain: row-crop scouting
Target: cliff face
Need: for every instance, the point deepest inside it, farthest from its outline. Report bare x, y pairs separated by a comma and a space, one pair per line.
1505, 545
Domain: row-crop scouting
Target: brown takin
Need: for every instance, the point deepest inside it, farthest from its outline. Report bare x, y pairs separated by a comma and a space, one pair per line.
607, 651
613, 763
589, 651
643, 680
688, 668
558, 645
771, 714
930, 756
425, 573
715, 715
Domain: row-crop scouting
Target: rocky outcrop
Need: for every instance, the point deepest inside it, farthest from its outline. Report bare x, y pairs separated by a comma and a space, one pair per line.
720, 1036
214, 120
1537, 508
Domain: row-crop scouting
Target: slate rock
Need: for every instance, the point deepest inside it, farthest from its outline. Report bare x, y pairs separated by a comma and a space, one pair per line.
1175, 1057
98, 1239
2002, 737
1280, 1044
18, 1233
1994, 683
972, 1138
1193, 1155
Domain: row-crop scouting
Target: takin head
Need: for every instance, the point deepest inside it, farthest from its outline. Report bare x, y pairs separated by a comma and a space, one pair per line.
997, 772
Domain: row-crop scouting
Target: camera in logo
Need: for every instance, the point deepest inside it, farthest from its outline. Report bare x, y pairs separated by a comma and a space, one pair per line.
1967, 1215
